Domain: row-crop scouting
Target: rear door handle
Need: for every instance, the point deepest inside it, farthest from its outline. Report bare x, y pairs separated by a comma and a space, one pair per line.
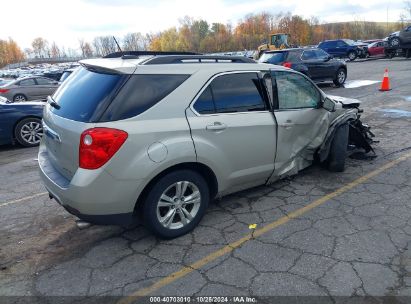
217, 126
288, 124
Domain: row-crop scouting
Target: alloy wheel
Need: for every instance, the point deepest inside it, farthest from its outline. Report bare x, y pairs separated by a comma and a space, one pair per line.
31, 132
178, 205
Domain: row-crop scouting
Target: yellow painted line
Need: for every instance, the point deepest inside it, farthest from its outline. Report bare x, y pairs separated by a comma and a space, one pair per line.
258, 232
22, 199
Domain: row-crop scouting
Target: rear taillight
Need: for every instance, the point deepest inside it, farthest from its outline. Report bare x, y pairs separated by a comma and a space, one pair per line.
4, 90
98, 145
287, 64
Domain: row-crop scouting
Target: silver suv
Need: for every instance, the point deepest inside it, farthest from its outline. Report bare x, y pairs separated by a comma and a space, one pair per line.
156, 138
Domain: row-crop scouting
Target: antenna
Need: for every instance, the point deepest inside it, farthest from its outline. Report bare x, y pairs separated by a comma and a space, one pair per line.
119, 48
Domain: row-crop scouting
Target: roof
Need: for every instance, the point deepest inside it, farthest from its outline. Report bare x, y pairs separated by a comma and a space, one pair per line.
188, 64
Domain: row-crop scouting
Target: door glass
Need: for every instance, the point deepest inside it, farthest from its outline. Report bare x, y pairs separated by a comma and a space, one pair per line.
341, 44
27, 82
308, 55
295, 91
240, 92
205, 103
320, 54
44, 81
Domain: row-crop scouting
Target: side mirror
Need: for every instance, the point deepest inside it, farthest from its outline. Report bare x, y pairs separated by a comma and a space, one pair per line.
329, 105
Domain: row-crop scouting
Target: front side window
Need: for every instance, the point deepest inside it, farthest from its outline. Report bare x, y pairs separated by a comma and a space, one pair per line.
239, 92
295, 91
341, 44
321, 54
44, 81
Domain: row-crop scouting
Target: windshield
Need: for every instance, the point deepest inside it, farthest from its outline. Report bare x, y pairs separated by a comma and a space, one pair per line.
274, 58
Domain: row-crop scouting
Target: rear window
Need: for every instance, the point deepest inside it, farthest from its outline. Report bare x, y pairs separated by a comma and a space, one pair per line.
273, 58
140, 93
85, 96
89, 96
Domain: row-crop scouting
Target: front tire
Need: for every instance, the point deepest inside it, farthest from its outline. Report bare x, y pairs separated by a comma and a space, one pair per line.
352, 56
29, 132
340, 77
395, 41
176, 203
338, 150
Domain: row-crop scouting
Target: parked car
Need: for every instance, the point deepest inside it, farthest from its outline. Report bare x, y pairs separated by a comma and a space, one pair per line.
66, 74
155, 138
21, 122
29, 88
377, 48
313, 62
4, 81
343, 48
401, 37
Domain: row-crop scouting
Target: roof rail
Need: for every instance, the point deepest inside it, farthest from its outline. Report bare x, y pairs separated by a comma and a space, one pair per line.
178, 59
136, 54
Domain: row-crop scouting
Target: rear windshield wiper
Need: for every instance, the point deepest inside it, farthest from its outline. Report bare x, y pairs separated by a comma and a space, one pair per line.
53, 103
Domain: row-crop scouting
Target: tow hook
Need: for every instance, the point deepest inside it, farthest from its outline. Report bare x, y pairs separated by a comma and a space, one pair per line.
82, 224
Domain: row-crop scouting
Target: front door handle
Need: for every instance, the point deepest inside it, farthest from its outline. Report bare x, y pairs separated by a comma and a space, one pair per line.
217, 126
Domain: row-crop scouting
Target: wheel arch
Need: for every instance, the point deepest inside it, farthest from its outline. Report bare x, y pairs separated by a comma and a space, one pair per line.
200, 168
25, 96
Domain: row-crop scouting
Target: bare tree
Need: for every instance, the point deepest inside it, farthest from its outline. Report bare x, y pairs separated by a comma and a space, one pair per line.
134, 42
55, 50
104, 45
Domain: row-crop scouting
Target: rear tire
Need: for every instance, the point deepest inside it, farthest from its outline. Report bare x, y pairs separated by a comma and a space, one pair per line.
340, 77
19, 98
338, 150
169, 212
29, 132
352, 55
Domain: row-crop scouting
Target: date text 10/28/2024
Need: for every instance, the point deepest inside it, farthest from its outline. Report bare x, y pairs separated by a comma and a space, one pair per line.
203, 299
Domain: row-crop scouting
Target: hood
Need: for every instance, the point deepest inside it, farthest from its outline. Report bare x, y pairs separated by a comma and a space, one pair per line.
346, 102
395, 34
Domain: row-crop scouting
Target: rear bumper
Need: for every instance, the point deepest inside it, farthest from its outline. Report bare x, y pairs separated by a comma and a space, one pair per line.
122, 219
92, 195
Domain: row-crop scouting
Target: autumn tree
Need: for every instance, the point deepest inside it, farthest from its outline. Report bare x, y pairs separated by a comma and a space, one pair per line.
40, 47
10, 52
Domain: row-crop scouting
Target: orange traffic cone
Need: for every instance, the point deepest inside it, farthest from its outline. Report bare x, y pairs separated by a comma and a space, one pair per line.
385, 85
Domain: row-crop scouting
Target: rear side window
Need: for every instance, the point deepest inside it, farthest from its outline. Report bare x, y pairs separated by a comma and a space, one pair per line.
86, 95
140, 93
27, 82
309, 55
273, 58
240, 92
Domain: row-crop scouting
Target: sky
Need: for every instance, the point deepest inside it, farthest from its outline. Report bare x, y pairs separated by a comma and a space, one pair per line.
67, 21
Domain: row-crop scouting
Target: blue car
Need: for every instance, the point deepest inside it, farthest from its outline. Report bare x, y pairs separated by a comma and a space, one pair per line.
343, 48
21, 122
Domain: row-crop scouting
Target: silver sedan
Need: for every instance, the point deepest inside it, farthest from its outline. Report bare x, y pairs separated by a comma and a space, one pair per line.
29, 88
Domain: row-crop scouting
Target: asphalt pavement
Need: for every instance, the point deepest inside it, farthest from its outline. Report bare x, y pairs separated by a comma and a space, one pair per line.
332, 235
